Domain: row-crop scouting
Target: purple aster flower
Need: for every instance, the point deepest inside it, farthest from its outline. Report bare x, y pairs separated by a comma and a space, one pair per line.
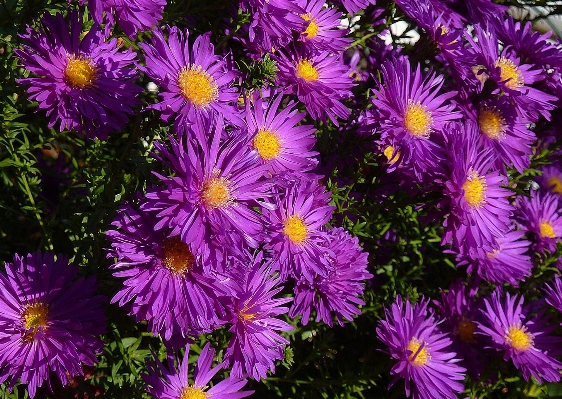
210, 200
132, 15
411, 336
255, 343
551, 179
540, 215
409, 110
168, 383
167, 281
339, 291
554, 293
505, 260
460, 308
478, 10
320, 28
48, 320
281, 144
524, 339
195, 81
352, 6
295, 229
85, 83
479, 209
320, 81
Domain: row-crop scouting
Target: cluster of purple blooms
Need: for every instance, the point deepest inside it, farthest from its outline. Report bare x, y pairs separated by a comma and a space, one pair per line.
242, 215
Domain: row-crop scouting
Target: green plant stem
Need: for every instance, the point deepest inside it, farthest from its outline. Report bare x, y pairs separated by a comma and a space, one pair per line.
35, 210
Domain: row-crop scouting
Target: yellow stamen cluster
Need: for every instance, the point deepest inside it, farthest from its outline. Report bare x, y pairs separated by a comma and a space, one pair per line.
492, 123
546, 230
306, 71
178, 259
388, 151
416, 358
474, 189
197, 86
215, 192
34, 316
518, 338
312, 28
417, 119
80, 73
190, 392
295, 229
555, 185
267, 144
510, 73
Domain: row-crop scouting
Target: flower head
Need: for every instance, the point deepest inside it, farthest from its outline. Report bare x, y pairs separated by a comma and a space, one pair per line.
540, 215
320, 28
48, 320
85, 83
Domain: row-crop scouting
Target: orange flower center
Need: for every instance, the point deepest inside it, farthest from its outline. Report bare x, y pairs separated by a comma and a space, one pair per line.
197, 86
295, 229
178, 259
80, 73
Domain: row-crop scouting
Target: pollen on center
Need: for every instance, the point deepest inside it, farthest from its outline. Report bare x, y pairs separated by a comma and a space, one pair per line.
267, 144
474, 189
388, 152
466, 330
518, 338
215, 192
80, 72
418, 357
306, 71
190, 392
510, 73
312, 28
197, 86
546, 230
35, 315
555, 185
492, 123
178, 259
295, 229
417, 119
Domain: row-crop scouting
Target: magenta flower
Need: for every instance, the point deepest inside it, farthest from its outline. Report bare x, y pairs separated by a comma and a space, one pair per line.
338, 292
320, 28
412, 338
540, 215
195, 82
85, 83
526, 340
171, 383
551, 179
554, 293
49, 321
256, 343
132, 15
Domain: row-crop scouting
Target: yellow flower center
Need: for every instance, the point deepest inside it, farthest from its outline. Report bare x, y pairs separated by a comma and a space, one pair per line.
306, 71
215, 193
35, 315
388, 151
417, 119
80, 72
519, 338
416, 358
466, 330
492, 123
190, 392
474, 189
555, 185
312, 29
546, 230
178, 259
245, 316
508, 70
267, 144
197, 85
295, 229
479, 72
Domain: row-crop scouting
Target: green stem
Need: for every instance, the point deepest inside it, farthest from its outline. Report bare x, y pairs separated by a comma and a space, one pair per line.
36, 211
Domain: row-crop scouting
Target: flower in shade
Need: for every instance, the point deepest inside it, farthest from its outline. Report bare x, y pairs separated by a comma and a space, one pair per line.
479, 209
338, 292
540, 215
460, 308
195, 82
211, 198
410, 111
352, 6
48, 320
551, 179
165, 282
524, 339
170, 383
320, 28
85, 83
256, 343
131, 15
295, 229
280, 143
554, 293
412, 338
321, 81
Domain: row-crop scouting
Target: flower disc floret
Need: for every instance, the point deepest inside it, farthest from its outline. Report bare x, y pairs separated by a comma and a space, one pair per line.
190, 392
177, 257
510, 73
519, 338
216, 193
197, 86
307, 71
419, 355
417, 119
267, 144
295, 229
474, 189
80, 72
492, 123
